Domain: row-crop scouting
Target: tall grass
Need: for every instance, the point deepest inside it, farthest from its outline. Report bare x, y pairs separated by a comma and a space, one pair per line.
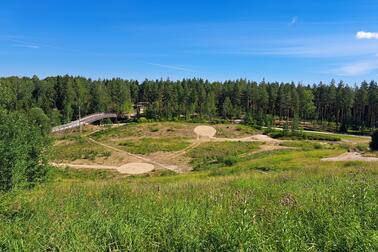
217, 154
257, 212
148, 145
238, 200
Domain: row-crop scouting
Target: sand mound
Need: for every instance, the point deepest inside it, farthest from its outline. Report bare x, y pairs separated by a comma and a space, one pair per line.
135, 168
351, 156
205, 131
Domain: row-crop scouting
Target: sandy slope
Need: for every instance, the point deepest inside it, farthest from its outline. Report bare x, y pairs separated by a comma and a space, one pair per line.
351, 156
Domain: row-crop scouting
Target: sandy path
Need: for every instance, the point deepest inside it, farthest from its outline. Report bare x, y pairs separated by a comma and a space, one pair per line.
130, 168
207, 133
184, 151
204, 134
351, 156
172, 168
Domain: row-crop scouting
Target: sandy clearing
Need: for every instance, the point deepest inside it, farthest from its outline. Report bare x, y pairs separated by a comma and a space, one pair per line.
266, 139
85, 166
130, 168
205, 131
172, 168
129, 163
136, 168
253, 138
351, 156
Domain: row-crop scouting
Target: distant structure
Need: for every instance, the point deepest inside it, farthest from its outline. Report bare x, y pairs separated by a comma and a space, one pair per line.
83, 121
140, 108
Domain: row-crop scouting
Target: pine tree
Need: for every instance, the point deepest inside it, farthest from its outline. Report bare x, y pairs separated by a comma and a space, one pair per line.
227, 109
374, 141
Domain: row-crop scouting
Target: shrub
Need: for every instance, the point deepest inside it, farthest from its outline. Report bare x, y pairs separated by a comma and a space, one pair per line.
142, 120
374, 141
230, 161
23, 147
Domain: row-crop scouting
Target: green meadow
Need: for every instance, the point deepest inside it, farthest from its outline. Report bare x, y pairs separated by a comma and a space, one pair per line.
236, 199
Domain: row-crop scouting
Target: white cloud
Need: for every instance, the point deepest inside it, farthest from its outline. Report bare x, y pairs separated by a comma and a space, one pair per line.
367, 35
171, 67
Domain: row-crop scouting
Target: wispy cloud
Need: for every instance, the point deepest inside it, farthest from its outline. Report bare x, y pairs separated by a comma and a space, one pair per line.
31, 46
293, 20
20, 42
180, 68
366, 35
358, 68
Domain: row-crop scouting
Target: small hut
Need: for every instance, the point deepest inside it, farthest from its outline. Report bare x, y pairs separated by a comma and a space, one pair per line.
141, 107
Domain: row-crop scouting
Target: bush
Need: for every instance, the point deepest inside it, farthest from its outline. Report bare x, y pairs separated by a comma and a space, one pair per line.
230, 161
142, 120
22, 151
374, 141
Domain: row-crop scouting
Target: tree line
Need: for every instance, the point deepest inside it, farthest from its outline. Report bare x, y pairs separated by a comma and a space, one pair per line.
61, 98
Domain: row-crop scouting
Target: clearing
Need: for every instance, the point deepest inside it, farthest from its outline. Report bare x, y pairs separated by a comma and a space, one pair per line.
154, 147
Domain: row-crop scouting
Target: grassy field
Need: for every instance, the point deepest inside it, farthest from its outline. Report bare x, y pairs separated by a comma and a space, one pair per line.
76, 147
211, 155
151, 145
237, 199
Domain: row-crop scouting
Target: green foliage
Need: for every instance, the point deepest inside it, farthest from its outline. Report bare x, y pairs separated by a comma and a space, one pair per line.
151, 145
306, 211
142, 120
77, 147
38, 118
128, 107
217, 154
227, 109
374, 141
337, 103
23, 149
308, 145
298, 135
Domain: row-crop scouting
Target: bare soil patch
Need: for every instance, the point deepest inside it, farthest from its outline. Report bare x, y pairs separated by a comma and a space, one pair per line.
351, 156
204, 131
254, 138
266, 139
136, 168
130, 168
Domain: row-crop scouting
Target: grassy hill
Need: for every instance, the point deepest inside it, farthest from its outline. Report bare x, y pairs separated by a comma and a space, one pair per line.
238, 198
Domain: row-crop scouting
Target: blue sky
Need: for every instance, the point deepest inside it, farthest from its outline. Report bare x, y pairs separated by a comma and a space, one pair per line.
308, 41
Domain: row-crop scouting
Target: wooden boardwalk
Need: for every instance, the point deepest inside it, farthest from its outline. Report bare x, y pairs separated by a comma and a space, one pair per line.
85, 120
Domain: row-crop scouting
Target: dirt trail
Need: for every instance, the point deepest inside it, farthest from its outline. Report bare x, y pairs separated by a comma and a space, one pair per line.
130, 168
204, 134
207, 133
351, 156
184, 151
172, 168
